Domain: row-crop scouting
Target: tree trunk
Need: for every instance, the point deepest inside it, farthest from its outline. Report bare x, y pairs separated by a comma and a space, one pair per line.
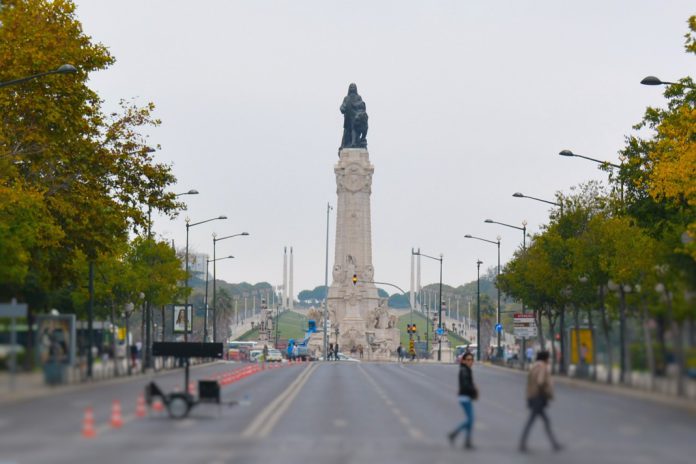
678, 329
580, 366
594, 345
112, 318
561, 332
540, 327
607, 337
662, 343
623, 358
552, 323
163, 322
649, 354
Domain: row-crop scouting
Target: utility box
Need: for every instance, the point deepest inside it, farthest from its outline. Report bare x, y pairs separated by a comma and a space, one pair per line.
209, 391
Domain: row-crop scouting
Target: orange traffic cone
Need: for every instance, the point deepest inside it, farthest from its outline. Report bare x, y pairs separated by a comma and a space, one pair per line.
140, 410
116, 419
88, 424
157, 405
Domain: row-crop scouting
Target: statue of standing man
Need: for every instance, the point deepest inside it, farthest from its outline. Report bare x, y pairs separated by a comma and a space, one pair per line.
354, 119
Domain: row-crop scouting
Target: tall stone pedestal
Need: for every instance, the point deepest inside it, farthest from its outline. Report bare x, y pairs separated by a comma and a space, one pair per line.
355, 308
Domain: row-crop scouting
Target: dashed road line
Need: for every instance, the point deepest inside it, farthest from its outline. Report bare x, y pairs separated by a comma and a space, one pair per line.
413, 431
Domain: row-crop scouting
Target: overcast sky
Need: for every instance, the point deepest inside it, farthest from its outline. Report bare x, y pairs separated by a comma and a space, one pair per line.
469, 102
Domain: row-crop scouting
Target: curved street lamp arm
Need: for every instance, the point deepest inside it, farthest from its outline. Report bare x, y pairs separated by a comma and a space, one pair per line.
418, 253
64, 69
490, 221
571, 154
207, 220
483, 239
215, 239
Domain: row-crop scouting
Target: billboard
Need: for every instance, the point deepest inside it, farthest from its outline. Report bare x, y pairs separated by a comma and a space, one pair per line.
585, 346
182, 318
56, 339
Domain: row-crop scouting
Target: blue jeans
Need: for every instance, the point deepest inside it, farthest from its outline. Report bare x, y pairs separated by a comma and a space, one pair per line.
468, 408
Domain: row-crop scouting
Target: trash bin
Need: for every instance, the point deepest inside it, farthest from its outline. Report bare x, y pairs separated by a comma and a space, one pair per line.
54, 373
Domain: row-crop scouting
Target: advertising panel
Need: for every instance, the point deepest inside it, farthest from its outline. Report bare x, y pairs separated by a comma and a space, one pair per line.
56, 339
182, 320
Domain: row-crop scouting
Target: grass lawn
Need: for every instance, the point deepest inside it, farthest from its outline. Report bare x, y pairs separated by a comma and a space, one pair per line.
291, 325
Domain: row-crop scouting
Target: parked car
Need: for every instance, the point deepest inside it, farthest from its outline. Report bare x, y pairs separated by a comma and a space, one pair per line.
254, 355
274, 356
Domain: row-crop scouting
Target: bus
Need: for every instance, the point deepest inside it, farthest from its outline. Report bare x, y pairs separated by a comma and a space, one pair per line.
238, 350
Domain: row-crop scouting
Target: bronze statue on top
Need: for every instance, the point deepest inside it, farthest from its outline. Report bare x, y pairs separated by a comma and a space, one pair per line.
354, 120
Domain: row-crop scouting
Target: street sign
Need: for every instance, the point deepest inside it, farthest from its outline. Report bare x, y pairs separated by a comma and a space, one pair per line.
440, 331
499, 328
524, 325
13, 309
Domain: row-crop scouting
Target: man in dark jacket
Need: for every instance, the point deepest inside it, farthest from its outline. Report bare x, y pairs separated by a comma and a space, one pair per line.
467, 393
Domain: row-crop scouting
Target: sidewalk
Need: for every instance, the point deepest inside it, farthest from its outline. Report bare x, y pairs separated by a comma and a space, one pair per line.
28, 385
624, 390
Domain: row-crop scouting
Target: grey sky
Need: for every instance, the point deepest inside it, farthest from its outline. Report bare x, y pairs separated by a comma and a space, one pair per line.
469, 101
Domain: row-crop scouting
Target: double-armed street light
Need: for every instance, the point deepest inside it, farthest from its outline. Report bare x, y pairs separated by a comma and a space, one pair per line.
521, 195
652, 80
215, 240
439, 317
63, 69
523, 229
188, 226
497, 324
207, 263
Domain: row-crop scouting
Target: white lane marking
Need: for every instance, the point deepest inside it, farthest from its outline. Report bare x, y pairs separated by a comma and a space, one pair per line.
264, 417
413, 431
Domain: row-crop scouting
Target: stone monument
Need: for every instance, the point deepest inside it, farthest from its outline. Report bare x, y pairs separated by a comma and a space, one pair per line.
358, 315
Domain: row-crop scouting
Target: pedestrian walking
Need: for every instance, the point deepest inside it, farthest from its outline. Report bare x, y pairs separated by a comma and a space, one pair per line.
539, 393
265, 356
360, 350
336, 352
400, 352
467, 394
329, 355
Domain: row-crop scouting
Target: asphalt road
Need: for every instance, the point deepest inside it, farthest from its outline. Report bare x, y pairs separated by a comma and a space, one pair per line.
345, 413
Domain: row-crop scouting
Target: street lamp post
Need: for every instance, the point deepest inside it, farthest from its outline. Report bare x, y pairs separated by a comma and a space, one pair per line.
215, 240
207, 263
497, 284
326, 285
521, 195
63, 69
478, 309
524, 247
148, 306
188, 226
439, 317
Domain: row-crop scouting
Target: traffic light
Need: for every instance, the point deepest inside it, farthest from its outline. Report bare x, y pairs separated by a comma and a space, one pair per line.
355, 279
408, 328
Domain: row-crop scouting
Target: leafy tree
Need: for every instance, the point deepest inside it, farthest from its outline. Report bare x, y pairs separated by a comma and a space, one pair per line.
89, 174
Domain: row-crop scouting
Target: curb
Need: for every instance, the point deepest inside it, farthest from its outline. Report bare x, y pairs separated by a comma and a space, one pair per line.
675, 402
